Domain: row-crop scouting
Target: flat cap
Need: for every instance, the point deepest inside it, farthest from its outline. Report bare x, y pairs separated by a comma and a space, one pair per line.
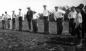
44, 5
56, 6
28, 7
20, 9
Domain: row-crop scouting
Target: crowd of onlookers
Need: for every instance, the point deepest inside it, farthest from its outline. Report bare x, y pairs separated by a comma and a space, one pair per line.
74, 15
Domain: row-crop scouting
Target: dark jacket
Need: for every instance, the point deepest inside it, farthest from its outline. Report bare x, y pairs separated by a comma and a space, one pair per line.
29, 15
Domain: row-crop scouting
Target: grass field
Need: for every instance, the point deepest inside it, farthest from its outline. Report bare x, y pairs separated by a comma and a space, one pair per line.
26, 41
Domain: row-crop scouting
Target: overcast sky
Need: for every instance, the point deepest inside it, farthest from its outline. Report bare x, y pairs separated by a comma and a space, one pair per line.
36, 5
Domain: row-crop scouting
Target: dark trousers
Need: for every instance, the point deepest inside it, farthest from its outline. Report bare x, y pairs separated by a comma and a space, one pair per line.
35, 27
20, 23
29, 23
71, 26
83, 30
13, 23
59, 26
46, 24
78, 31
3, 24
8, 23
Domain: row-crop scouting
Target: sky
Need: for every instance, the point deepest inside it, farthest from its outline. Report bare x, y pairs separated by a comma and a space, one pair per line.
36, 5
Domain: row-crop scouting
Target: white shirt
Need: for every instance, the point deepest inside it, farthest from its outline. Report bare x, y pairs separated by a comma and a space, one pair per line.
35, 16
72, 15
45, 13
21, 15
8, 16
13, 15
58, 14
79, 18
3, 17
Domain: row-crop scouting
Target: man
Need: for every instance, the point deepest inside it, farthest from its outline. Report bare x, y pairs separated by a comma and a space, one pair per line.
81, 6
66, 15
29, 17
58, 16
72, 17
8, 18
46, 20
20, 16
13, 19
3, 22
78, 26
34, 22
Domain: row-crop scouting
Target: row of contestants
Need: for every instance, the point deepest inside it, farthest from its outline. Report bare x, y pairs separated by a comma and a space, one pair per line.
31, 16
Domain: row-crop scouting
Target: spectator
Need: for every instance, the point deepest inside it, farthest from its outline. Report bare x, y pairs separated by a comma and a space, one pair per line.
29, 17
46, 19
78, 21
81, 6
13, 19
20, 16
58, 16
3, 22
72, 17
8, 17
34, 22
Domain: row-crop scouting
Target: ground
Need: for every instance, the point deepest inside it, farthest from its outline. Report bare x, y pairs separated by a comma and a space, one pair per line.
13, 40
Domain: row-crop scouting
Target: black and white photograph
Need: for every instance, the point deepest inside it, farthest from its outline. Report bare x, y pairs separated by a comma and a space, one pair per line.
42, 25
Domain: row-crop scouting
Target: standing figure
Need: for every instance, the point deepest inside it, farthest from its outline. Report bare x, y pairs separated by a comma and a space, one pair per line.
46, 19
13, 19
83, 13
29, 17
58, 16
3, 22
8, 19
20, 19
72, 17
34, 22
78, 26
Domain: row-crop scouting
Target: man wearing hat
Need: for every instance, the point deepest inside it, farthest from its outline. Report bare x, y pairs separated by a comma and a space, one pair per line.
72, 16
46, 19
29, 17
13, 19
3, 22
8, 20
34, 22
58, 18
20, 15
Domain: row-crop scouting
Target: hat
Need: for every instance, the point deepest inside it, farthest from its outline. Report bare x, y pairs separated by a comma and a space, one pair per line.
44, 5
20, 9
56, 6
28, 7
5, 11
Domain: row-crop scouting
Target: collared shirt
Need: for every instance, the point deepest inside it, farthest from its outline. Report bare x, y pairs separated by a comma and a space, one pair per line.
21, 15
79, 18
58, 14
35, 16
45, 13
8, 16
72, 15
13, 15
3, 17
